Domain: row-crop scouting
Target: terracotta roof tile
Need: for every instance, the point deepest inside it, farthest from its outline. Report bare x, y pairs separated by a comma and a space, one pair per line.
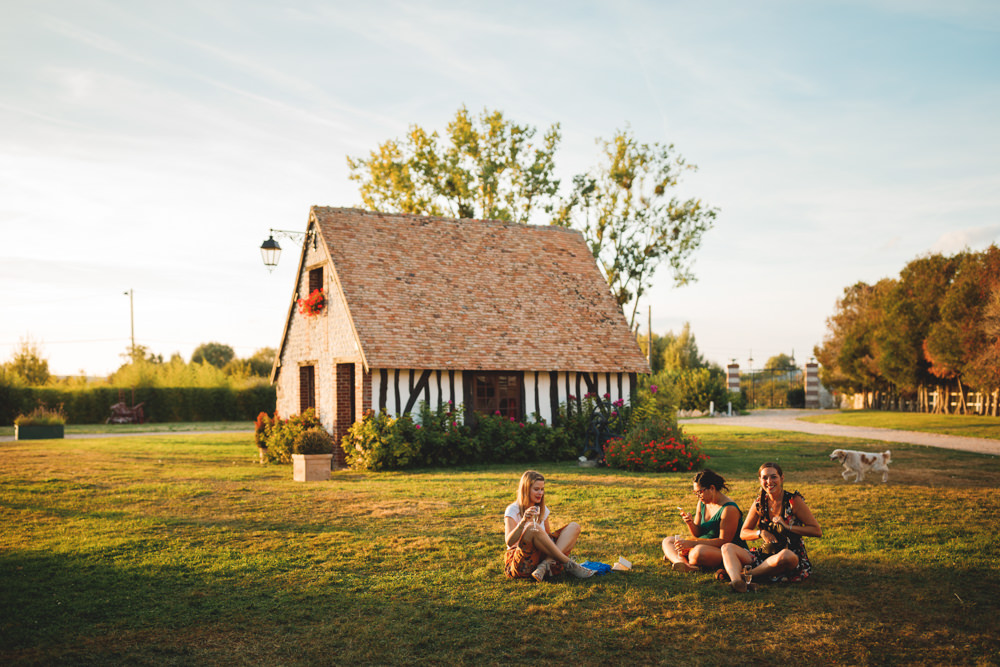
428, 292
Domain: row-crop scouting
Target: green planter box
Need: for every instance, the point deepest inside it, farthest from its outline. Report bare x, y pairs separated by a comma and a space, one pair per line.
39, 432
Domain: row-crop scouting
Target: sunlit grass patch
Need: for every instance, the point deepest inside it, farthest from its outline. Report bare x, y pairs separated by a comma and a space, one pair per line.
182, 549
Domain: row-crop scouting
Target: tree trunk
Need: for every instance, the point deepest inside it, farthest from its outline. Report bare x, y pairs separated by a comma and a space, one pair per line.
962, 407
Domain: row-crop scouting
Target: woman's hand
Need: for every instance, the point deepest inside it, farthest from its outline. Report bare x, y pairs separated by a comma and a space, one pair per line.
531, 514
682, 546
686, 518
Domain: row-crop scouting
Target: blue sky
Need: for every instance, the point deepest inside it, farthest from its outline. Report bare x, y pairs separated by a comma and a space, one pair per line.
150, 146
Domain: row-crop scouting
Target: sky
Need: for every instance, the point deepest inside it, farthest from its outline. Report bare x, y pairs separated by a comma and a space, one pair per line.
150, 146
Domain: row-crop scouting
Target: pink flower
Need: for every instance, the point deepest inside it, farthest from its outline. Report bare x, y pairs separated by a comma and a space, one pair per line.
418, 426
652, 388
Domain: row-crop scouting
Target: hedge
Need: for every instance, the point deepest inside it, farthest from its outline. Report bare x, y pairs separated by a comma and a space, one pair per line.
92, 405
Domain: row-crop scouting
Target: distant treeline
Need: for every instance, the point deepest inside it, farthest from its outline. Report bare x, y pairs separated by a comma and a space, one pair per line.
923, 341
92, 405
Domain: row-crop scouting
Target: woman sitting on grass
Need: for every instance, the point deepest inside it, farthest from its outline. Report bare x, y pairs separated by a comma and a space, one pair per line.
533, 548
781, 519
717, 522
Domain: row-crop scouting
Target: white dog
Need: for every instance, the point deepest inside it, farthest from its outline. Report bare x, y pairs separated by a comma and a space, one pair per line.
858, 463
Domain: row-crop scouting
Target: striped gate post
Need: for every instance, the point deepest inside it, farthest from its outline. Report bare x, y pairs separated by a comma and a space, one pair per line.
812, 386
733, 377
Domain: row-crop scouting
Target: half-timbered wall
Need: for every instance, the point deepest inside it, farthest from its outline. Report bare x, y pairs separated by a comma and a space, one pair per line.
400, 391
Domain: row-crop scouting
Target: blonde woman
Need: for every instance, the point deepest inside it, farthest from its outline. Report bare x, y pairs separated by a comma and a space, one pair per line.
533, 548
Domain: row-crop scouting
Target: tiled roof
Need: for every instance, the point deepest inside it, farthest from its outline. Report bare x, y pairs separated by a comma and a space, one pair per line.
440, 293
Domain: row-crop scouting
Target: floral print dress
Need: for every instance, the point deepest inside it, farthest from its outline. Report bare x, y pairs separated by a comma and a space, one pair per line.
797, 546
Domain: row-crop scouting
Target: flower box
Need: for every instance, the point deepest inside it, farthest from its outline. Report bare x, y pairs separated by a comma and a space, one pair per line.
311, 467
39, 431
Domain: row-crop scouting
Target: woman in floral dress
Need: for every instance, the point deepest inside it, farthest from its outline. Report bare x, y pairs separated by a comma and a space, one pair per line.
781, 519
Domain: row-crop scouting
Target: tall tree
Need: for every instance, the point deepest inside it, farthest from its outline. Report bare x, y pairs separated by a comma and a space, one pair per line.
28, 364
848, 353
628, 213
911, 307
485, 167
216, 354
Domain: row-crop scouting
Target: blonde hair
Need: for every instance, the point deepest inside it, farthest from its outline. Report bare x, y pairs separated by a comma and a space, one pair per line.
524, 492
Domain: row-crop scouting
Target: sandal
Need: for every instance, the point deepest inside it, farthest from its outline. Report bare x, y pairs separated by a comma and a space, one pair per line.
721, 576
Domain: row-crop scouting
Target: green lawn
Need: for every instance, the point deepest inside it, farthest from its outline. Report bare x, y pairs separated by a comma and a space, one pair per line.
180, 549
973, 426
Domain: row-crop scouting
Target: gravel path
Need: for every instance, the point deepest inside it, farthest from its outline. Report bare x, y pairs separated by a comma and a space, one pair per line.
788, 420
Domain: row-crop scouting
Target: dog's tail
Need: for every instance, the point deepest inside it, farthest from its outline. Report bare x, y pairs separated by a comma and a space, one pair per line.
888, 456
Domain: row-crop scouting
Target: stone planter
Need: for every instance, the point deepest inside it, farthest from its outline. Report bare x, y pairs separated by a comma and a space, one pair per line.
311, 467
39, 431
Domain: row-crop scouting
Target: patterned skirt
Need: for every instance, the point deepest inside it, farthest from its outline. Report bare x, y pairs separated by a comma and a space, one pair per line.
520, 561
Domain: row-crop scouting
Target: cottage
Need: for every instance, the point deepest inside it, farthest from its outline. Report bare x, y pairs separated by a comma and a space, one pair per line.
492, 315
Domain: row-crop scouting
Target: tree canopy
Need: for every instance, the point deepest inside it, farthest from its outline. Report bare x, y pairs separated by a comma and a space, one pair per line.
484, 167
490, 167
216, 354
27, 364
631, 219
937, 323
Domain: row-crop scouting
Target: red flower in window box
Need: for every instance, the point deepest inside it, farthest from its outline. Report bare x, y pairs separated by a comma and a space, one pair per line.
312, 305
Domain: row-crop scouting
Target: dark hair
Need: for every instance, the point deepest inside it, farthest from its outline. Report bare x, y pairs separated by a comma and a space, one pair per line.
707, 478
781, 473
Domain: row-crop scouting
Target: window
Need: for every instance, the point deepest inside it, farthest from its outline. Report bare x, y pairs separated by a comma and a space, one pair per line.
315, 279
307, 388
497, 391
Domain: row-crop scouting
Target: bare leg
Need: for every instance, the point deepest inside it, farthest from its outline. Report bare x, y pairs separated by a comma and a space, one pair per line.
541, 540
568, 537
678, 563
734, 557
705, 556
783, 561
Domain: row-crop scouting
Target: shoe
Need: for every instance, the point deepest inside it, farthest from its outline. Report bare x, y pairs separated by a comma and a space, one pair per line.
684, 567
541, 571
577, 570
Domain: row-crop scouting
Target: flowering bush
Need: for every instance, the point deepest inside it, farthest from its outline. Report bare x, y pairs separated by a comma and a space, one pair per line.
655, 444
312, 305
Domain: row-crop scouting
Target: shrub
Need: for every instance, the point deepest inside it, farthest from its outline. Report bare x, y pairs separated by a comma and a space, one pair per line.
261, 430
381, 442
281, 439
42, 416
655, 447
313, 441
440, 437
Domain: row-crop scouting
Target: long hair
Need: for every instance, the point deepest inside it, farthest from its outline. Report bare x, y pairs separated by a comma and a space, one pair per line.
707, 478
524, 492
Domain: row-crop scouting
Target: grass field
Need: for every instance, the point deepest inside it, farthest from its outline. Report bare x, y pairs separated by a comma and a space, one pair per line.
972, 426
180, 549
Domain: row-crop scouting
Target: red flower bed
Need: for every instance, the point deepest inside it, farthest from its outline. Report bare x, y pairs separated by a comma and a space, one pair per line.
671, 454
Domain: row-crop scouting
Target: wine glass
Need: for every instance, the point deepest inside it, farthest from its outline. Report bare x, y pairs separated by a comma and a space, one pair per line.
747, 575
538, 516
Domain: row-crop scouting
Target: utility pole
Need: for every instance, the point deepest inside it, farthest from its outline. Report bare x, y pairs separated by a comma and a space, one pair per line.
131, 319
649, 339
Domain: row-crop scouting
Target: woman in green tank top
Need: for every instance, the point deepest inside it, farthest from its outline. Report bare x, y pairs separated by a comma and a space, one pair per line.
717, 521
